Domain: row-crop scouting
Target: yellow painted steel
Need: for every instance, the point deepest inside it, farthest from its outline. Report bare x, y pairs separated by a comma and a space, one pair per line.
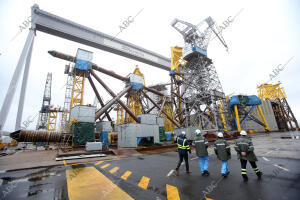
120, 115
172, 192
270, 91
133, 102
236, 112
126, 175
167, 123
263, 117
114, 170
89, 183
52, 120
222, 115
144, 182
78, 87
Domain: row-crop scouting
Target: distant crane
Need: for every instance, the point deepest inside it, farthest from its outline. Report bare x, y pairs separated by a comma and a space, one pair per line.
44, 112
48, 113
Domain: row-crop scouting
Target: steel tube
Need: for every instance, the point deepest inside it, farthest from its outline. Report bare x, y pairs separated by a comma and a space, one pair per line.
170, 118
98, 97
113, 95
94, 66
111, 102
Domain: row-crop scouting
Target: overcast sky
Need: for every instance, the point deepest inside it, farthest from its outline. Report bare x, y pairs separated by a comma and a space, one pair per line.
264, 35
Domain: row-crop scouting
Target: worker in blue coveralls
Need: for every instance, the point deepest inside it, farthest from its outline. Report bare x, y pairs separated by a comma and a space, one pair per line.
222, 150
201, 145
183, 149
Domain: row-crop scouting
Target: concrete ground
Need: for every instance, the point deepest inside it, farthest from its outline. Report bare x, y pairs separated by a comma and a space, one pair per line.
146, 176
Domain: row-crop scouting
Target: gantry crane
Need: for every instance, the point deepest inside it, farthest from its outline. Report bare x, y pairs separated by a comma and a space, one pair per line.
282, 111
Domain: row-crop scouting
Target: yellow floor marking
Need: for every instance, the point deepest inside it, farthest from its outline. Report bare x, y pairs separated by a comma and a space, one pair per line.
206, 198
91, 184
104, 166
78, 164
172, 192
114, 170
65, 163
98, 163
126, 175
144, 182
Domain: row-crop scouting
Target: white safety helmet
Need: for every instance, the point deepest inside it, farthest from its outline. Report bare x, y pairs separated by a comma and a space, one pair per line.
243, 133
183, 132
198, 132
220, 134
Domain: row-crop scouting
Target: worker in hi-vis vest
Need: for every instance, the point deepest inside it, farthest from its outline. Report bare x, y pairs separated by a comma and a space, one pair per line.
183, 149
201, 145
245, 152
222, 150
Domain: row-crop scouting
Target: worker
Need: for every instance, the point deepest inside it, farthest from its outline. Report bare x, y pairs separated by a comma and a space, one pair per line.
222, 150
201, 145
245, 152
183, 149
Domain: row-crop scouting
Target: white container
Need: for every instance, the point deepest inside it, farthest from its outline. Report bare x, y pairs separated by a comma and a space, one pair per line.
103, 126
147, 119
93, 146
83, 113
160, 121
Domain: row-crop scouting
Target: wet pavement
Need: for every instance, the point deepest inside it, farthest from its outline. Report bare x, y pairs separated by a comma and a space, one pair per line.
146, 176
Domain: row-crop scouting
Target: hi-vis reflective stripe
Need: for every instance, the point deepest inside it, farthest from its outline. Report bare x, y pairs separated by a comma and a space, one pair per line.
220, 144
199, 141
256, 169
244, 171
242, 143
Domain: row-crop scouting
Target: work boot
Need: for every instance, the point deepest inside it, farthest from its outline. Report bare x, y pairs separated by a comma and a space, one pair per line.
245, 177
188, 172
259, 174
226, 174
177, 172
206, 173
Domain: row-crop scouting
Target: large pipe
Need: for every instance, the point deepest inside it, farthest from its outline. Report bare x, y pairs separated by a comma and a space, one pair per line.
114, 95
101, 118
94, 66
154, 91
170, 118
98, 97
111, 102
37, 136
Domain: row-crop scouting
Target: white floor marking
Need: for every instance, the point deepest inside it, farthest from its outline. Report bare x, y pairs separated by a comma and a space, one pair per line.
266, 159
282, 168
171, 172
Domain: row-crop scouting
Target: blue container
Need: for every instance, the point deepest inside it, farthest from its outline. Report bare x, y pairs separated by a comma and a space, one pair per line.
168, 136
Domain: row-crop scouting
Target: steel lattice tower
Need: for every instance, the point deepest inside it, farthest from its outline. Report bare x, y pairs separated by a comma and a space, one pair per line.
198, 90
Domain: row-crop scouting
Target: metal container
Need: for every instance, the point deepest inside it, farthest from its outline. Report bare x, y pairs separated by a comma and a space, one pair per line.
128, 134
93, 146
83, 132
83, 113
160, 121
103, 126
147, 119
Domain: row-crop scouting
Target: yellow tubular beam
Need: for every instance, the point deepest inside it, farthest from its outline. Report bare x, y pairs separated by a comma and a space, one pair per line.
263, 118
222, 116
237, 118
